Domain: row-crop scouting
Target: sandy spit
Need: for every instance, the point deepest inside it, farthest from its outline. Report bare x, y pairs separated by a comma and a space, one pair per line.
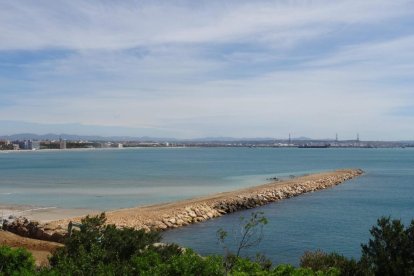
148, 216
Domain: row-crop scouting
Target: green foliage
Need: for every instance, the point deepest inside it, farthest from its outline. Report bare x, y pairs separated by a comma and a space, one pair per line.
16, 261
245, 267
319, 260
247, 234
242, 265
390, 251
264, 262
100, 249
103, 249
190, 263
289, 270
251, 231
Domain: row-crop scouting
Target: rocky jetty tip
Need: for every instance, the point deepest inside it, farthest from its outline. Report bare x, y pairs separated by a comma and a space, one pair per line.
177, 214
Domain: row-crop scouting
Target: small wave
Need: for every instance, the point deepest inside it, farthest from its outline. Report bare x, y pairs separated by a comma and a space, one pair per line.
37, 209
5, 193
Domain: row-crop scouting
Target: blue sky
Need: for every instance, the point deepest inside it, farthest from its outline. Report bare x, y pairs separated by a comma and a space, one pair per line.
190, 69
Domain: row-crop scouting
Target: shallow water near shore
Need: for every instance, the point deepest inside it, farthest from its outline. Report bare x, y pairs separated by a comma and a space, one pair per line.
110, 179
336, 219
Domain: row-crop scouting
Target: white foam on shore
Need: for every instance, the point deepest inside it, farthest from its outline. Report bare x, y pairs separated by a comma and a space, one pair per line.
37, 209
5, 212
41, 213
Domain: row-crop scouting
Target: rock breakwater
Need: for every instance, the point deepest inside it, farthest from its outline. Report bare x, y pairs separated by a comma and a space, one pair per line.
245, 199
33, 229
177, 214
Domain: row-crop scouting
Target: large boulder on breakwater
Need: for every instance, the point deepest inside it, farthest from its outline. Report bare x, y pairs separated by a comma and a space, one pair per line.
33, 229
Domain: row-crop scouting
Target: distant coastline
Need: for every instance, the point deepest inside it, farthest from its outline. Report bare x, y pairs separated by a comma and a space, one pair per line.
79, 149
31, 141
58, 150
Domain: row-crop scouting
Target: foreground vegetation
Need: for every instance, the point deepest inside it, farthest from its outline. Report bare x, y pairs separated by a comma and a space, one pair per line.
99, 249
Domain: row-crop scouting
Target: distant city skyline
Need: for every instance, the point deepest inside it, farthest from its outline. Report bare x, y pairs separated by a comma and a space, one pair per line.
187, 69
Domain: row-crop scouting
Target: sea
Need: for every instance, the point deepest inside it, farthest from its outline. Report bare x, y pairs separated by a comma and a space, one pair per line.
333, 220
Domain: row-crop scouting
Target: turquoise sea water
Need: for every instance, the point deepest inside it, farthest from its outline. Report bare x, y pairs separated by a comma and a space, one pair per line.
336, 219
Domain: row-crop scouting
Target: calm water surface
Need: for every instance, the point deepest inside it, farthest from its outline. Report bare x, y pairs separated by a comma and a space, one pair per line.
336, 219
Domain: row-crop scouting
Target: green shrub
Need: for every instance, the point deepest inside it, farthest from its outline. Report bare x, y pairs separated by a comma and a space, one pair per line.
248, 233
16, 261
243, 265
99, 249
190, 263
109, 242
319, 260
390, 251
289, 270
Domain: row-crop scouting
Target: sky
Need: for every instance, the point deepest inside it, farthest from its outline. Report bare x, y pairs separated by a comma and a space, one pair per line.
189, 69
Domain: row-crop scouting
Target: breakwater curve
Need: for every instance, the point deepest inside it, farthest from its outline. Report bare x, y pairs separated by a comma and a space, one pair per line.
165, 216
181, 213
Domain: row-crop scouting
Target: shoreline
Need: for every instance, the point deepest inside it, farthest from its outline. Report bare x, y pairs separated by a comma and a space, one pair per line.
85, 149
59, 150
43, 214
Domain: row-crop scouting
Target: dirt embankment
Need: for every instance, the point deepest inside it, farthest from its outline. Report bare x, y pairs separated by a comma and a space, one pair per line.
41, 250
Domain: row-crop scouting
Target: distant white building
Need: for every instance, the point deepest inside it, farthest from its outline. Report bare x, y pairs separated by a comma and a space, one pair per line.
106, 145
35, 145
62, 144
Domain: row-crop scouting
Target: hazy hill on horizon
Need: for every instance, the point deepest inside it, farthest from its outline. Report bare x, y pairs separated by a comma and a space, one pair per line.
54, 136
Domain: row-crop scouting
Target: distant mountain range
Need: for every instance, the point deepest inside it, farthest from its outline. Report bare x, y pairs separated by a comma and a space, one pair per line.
74, 137
53, 136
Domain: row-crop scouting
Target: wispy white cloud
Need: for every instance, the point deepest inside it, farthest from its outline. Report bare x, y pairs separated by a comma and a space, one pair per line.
238, 68
113, 25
